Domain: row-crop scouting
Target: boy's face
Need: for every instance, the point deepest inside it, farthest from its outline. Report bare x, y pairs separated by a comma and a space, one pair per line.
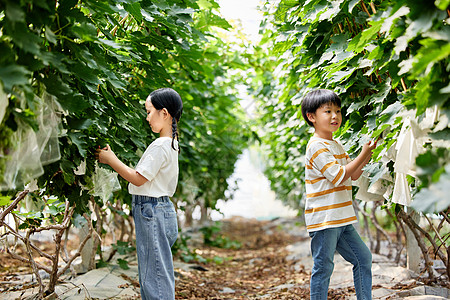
326, 120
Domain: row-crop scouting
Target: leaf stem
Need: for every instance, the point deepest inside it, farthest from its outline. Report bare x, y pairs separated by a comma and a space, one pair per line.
365, 8
372, 6
403, 84
350, 29
113, 31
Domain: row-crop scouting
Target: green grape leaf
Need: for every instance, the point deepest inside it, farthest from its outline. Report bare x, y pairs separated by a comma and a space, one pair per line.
434, 198
14, 75
5, 200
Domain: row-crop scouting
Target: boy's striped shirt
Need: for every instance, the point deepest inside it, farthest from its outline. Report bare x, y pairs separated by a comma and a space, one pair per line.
328, 199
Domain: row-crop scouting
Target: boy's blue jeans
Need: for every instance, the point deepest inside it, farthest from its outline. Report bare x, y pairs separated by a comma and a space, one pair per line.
347, 242
156, 231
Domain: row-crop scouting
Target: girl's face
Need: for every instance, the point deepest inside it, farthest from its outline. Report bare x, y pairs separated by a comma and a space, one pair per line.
155, 118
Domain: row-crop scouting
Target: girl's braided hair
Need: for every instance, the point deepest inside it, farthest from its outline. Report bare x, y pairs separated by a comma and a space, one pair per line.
169, 99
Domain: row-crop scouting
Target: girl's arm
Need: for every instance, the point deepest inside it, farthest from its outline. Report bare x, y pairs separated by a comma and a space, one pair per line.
354, 168
106, 156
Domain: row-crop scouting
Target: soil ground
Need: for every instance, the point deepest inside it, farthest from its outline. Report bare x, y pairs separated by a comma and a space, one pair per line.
256, 270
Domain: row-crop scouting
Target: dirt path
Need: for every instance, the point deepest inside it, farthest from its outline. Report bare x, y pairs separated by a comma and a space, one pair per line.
258, 269
262, 268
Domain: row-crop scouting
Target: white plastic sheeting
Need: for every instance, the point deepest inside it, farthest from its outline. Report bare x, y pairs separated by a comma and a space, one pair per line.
377, 191
33, 150
105, 183
3, 103
409, 144
407, 151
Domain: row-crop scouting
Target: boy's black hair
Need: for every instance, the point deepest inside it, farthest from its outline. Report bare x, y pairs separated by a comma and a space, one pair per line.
315, 99
169, 99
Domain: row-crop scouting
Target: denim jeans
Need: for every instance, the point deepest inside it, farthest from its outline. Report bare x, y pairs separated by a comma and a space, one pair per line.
156, 231
347, 242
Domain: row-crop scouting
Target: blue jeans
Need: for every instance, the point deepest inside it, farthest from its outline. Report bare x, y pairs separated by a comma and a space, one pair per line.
347, 242
156, 231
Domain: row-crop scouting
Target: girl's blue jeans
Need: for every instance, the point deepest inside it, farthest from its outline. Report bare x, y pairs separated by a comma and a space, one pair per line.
347, 242
156, 231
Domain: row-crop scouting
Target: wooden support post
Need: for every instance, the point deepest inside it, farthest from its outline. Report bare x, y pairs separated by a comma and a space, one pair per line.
413, 253
86, 253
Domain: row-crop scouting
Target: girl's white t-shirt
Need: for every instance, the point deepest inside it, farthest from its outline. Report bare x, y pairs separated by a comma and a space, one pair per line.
159, 164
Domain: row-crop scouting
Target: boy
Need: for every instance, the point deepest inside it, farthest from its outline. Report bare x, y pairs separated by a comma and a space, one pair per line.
329, 212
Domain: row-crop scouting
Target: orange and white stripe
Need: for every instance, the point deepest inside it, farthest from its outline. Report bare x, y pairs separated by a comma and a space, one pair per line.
325, 192
341, 222
328, 198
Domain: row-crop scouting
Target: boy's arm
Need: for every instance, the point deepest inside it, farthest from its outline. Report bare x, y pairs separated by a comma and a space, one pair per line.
359, 170
354, 168
106, 156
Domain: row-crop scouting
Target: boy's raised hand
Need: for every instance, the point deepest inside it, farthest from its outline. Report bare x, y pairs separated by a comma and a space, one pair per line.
368, 147
105, 155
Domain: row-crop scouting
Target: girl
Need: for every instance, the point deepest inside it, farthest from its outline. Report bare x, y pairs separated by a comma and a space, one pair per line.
151, 184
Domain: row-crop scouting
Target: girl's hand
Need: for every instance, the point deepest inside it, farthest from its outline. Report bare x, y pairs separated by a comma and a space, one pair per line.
105, 155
